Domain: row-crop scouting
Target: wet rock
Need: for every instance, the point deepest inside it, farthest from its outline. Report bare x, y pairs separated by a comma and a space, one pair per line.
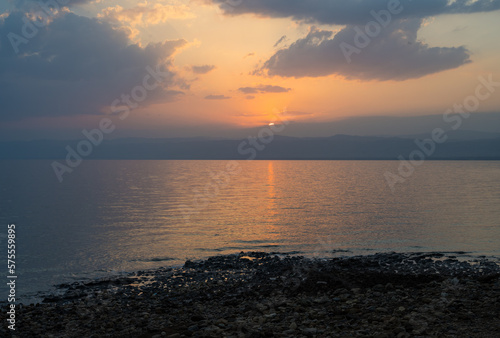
244, 295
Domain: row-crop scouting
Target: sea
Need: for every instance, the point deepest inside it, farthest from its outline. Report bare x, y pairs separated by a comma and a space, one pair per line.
114, 217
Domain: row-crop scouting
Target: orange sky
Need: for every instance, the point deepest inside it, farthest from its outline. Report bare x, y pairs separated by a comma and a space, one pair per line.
227, 42
236, 46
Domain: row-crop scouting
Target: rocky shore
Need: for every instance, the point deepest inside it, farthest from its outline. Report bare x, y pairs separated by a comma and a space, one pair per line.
257, 294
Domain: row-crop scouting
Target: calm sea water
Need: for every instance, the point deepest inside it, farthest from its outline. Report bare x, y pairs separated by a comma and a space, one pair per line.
109, 217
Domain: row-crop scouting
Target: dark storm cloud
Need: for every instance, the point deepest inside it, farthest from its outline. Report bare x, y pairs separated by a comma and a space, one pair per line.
75, 65
344, 12
396, 55
264, 89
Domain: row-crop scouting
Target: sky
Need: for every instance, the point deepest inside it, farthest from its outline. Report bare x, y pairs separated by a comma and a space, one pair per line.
202, 67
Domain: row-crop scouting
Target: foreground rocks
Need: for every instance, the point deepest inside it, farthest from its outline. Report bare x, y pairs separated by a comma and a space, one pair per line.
266, 295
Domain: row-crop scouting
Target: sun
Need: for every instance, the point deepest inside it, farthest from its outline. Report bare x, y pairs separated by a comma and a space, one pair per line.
271, 124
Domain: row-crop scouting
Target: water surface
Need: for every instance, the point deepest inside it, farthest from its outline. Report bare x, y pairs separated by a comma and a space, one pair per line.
118, 216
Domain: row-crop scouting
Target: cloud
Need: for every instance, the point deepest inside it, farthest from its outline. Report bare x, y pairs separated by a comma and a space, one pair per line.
298, 113
202, 69
282, 39
77, 65
217, 97
341, 12
396, 55
264, 89
146, 15
35, 4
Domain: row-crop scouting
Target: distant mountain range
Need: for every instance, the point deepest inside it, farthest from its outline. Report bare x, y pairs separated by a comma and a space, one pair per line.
465, 146
477, 126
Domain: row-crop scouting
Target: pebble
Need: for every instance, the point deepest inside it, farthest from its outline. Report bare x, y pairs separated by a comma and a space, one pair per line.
226, 296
